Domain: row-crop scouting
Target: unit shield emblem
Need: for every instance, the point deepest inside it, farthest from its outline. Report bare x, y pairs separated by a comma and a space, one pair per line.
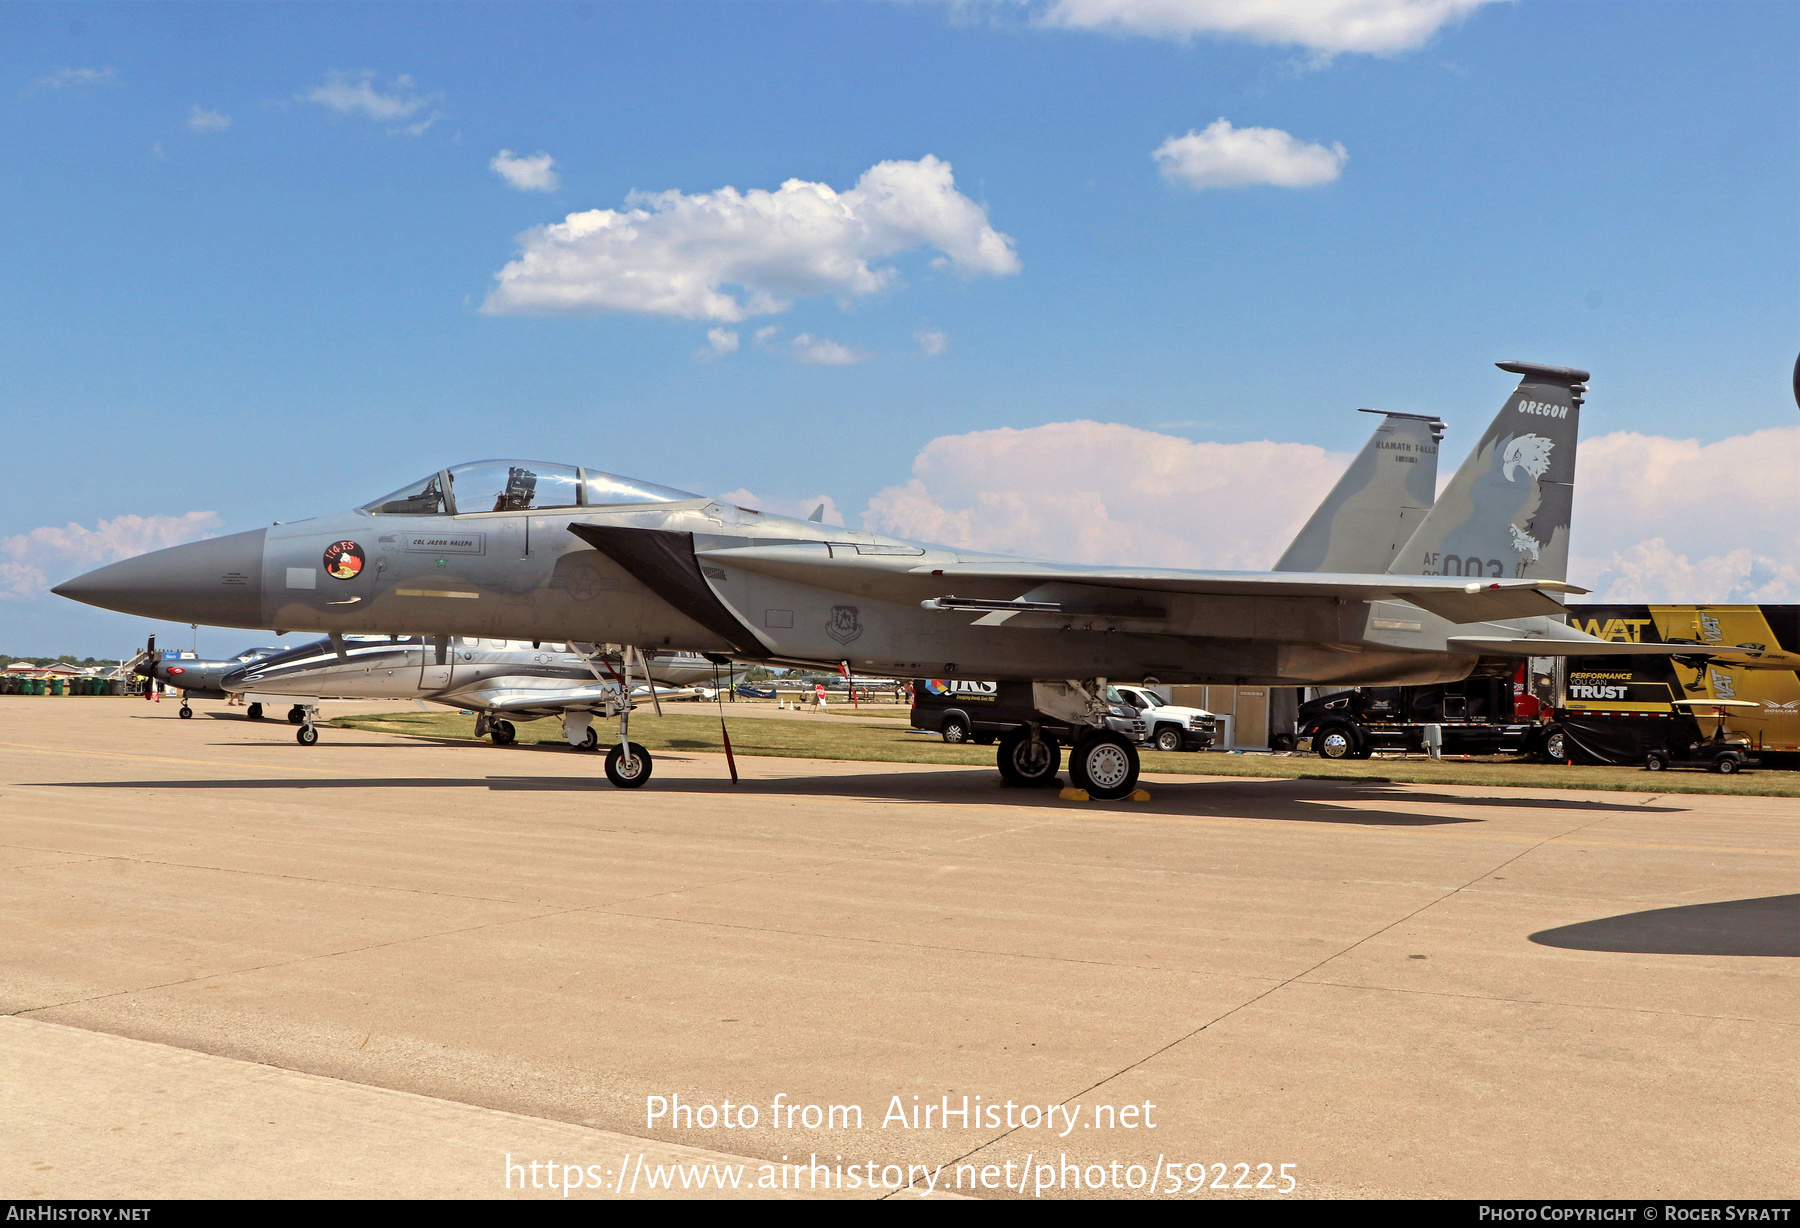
843, 625
343, 560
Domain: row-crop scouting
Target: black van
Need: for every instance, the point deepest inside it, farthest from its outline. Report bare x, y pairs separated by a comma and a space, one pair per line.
979, 712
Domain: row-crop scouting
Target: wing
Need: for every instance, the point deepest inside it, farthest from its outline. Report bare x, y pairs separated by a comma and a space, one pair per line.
546, 696
848, 566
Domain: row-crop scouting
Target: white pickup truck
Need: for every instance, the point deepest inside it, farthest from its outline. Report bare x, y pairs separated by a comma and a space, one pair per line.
1167, 726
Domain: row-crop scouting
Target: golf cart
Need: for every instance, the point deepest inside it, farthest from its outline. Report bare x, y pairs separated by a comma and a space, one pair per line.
1723, 753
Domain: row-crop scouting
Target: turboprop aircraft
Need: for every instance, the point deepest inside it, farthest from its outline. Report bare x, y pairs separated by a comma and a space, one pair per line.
501, 681
527, 550
197, 679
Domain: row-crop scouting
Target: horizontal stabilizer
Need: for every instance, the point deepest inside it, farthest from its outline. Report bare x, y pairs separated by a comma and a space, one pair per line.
1534, 646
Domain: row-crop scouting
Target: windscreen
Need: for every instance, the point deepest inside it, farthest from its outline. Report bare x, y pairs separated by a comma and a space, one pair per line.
423, 498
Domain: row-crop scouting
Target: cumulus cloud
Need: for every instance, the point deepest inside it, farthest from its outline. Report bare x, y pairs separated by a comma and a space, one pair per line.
1221, 156
536, 173
932, 341
799, 509
1325, 27
1656, 519
808, 348
357, 95
27, 560
199, 119
1659, 519
719, 343
1096, 492
729, 256
75, 79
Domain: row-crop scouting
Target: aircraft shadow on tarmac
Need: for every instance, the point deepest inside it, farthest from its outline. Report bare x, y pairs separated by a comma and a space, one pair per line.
1769, 925
1280, 800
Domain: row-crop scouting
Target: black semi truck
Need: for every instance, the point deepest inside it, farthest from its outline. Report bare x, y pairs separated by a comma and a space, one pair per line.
1477, 716
1617, 710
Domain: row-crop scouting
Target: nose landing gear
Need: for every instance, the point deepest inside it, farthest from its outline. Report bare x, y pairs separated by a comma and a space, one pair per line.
306, 735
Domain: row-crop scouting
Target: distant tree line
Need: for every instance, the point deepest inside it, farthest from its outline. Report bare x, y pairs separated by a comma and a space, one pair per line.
65, 659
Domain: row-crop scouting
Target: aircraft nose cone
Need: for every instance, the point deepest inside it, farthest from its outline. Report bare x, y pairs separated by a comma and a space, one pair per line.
217, 582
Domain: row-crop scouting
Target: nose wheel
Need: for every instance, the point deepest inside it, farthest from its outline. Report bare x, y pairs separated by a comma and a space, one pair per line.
307, 734
628, 765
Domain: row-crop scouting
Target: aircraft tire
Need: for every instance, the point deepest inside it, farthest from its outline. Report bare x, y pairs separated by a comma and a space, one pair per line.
503, 733
615, 766
186, 713
296, 715
253, 712
592, 741
1105, 765
1024, 765
306, 735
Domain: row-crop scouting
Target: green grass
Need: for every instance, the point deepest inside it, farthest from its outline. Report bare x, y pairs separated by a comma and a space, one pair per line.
824, 739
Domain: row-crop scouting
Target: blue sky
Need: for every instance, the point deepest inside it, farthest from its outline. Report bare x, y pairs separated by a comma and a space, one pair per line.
281, 315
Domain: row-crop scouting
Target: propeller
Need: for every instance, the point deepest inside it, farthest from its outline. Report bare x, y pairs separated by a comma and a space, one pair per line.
145, 665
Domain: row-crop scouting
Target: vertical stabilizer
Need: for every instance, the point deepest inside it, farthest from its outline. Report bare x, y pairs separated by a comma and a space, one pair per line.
1506, 513
1378, 503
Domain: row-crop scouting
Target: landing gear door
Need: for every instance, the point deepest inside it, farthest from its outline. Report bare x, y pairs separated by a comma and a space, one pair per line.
439, 664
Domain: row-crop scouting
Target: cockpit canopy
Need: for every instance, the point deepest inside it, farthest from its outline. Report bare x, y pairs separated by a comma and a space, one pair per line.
517, 486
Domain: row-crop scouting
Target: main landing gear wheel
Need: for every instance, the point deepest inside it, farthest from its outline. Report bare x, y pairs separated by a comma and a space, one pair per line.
591, 742
297, 715
628, 772
253, 712
503, 733
306, 735
187, 713
1104, 764
1028, 763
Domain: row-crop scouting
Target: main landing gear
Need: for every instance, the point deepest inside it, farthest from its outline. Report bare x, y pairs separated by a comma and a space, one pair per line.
253, 712
297, 714
1029, 757
1105, 764
1101, 762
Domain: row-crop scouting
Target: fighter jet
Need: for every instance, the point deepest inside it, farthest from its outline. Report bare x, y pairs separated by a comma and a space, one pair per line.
529, 550
197, 679
501, 681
